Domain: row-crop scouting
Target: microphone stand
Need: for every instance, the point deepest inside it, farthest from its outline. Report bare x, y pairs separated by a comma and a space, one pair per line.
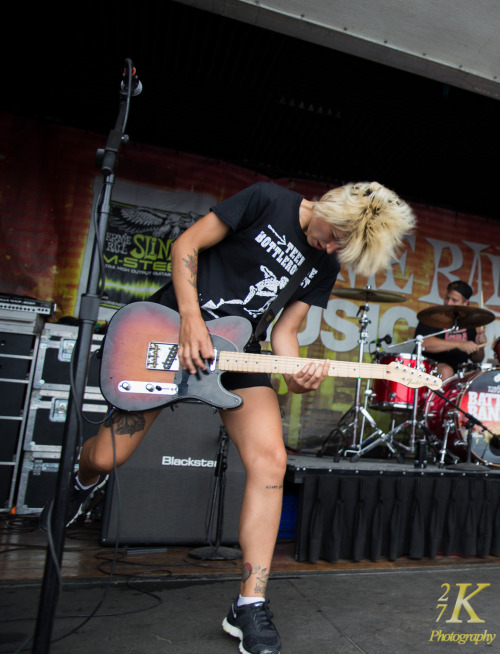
216, 552
88, 316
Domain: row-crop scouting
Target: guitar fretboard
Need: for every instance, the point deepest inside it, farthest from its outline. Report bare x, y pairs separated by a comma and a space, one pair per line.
247, 362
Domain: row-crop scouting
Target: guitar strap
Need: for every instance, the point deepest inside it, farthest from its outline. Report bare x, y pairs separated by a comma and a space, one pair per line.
283, 296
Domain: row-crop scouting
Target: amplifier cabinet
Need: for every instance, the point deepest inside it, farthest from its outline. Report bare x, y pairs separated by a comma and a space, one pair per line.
166, 487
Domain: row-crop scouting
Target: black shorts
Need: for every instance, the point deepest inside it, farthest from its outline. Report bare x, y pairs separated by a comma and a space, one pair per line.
234, 380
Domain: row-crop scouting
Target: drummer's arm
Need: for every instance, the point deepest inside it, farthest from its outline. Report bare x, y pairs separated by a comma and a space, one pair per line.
480, 340
434, 345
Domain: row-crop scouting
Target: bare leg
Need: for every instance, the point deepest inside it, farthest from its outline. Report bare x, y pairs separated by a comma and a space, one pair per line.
445, 371
256, 430
97, 454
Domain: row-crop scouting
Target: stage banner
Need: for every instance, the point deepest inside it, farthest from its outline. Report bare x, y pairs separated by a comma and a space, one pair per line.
48, 209
136, 253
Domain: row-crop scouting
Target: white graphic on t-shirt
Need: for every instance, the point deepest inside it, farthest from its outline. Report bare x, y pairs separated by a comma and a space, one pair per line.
286, 254
268, 287
281, 239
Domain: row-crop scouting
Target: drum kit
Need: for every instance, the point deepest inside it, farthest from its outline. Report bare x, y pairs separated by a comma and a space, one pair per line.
455, 424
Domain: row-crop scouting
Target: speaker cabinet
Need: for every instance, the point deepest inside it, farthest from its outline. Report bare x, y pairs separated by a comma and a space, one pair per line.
165, 489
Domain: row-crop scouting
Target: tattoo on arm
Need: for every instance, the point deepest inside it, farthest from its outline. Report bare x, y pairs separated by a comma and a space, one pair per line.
191, 263
275, 487
126, 423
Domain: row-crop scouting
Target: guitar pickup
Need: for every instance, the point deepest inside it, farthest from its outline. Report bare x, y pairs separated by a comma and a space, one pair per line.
147, 388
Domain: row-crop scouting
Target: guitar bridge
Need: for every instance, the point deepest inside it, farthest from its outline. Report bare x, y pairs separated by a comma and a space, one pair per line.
162, 356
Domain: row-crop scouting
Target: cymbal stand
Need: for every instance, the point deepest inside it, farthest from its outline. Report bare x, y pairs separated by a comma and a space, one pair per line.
348, 423
358, 409
388, 439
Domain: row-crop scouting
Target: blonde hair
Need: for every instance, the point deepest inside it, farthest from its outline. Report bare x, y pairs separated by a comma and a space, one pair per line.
373, 221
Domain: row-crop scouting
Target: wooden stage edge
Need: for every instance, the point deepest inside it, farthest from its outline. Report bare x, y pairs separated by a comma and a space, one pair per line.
24, 547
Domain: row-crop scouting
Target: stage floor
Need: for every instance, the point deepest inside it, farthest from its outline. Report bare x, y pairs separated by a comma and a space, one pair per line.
159, 600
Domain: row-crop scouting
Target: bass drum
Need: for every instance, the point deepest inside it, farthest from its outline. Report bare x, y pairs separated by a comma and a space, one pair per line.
478, 394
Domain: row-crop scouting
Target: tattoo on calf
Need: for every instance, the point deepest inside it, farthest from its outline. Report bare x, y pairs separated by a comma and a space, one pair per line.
126, 423
261, 575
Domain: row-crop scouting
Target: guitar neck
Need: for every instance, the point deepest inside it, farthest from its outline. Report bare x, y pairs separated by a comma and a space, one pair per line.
246, 362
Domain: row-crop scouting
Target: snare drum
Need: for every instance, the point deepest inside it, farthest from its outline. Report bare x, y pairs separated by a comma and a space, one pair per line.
391, 396
478, 394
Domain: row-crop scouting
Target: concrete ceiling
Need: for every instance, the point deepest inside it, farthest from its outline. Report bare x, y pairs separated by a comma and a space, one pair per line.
450, 41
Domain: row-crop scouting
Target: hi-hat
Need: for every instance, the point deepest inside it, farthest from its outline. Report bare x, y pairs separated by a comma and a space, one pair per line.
451, 315
367, 295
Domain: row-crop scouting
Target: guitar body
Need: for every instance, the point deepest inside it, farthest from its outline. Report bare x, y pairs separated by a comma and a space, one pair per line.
139, 368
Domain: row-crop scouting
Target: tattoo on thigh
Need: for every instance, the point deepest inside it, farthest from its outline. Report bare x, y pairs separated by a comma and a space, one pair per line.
261, 575
126, 423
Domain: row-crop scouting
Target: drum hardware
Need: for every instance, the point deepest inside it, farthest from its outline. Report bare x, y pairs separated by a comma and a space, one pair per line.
472, 422
443, 452
451, 409
349, 423
413, 423
354, 412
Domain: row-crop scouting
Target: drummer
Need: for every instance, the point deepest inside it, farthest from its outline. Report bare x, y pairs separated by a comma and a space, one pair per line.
453, 348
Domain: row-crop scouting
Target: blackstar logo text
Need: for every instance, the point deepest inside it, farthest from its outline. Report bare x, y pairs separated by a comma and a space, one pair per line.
187, 463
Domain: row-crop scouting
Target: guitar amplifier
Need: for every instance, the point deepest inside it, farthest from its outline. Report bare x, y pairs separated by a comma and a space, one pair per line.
165, 490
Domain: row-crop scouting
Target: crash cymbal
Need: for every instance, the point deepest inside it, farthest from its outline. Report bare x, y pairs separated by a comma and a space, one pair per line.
446, 317
368, 295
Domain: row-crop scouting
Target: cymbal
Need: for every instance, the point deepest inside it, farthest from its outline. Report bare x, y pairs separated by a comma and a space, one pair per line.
447, 316
367, 295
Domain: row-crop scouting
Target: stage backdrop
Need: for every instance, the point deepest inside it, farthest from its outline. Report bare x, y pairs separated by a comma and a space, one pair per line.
50, 188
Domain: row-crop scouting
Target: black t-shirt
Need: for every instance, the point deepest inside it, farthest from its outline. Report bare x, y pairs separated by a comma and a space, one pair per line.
244, 273
453, 357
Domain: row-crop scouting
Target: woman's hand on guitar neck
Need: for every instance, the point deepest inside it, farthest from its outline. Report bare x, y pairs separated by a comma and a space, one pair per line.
195, 344
309, 378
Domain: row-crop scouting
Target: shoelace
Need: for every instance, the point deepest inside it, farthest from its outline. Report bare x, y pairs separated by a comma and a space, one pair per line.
262, 616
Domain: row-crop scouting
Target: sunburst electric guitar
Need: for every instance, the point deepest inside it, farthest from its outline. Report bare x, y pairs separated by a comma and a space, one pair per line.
140, 369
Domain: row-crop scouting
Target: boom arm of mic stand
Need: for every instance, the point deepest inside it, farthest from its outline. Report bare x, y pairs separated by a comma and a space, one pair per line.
89, 309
